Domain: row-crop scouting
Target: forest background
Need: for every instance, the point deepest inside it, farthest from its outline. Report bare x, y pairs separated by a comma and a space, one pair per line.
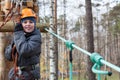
106, 31
71, 24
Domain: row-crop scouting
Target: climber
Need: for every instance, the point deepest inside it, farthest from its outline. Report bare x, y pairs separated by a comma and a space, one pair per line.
25, 48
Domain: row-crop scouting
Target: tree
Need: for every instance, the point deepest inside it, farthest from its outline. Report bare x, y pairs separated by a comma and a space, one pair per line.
4, 65
2, 59
89, 38
53, 42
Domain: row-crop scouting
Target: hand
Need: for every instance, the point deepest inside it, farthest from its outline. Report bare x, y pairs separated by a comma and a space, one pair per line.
18, 27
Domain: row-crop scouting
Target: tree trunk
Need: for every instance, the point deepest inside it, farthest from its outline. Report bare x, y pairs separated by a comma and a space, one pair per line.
53, 42
2, 59
89, 38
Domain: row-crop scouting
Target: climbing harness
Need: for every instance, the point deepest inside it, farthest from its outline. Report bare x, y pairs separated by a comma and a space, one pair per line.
17, 70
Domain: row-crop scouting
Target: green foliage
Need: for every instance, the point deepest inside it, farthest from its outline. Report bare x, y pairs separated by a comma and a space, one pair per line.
114, 20
115, 12
115, 28
77, 27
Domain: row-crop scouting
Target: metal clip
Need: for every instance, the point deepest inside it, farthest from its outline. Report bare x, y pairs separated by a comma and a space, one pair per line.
19, 71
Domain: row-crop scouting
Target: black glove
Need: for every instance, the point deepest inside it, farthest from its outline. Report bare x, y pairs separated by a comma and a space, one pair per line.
18, 27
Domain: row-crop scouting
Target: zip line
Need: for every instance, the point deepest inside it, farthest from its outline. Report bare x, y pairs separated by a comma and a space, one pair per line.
94, 57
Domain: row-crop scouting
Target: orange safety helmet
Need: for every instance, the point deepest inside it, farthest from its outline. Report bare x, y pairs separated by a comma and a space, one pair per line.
27, 12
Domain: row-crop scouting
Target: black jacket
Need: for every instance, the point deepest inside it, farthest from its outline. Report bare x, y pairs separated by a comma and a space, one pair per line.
28, 47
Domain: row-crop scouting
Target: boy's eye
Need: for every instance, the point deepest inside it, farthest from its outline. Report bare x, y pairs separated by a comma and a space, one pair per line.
27, 22
30, 22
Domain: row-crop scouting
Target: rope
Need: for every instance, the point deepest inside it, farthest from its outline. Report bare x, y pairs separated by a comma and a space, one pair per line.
8, 16
70, 65
16, 68
16, 5
95, 57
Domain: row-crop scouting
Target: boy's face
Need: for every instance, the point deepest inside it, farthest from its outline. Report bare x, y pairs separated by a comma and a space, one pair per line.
28, 26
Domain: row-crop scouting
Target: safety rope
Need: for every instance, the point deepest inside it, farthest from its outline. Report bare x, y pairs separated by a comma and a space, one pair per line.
8, 16
17, 72
70, 65
15, 8
69, 46
94, 57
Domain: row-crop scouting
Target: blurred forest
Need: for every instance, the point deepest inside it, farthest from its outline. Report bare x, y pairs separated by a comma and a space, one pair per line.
106, 38
106, 41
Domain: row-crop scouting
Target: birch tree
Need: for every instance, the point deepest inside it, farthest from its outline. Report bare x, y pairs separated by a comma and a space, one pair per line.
53, 42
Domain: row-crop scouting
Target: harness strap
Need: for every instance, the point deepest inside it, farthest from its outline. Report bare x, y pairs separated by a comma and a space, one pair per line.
15, 59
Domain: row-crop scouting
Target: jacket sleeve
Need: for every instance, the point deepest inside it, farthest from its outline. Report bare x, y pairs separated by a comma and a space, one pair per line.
27, 47
8, 52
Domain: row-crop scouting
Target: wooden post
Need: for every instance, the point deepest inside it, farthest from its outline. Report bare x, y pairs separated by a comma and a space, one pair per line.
9, 27
7, 4
3, 63
30, 3
2, 59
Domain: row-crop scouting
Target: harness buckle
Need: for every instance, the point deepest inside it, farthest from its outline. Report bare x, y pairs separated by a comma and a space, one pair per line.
19, 71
